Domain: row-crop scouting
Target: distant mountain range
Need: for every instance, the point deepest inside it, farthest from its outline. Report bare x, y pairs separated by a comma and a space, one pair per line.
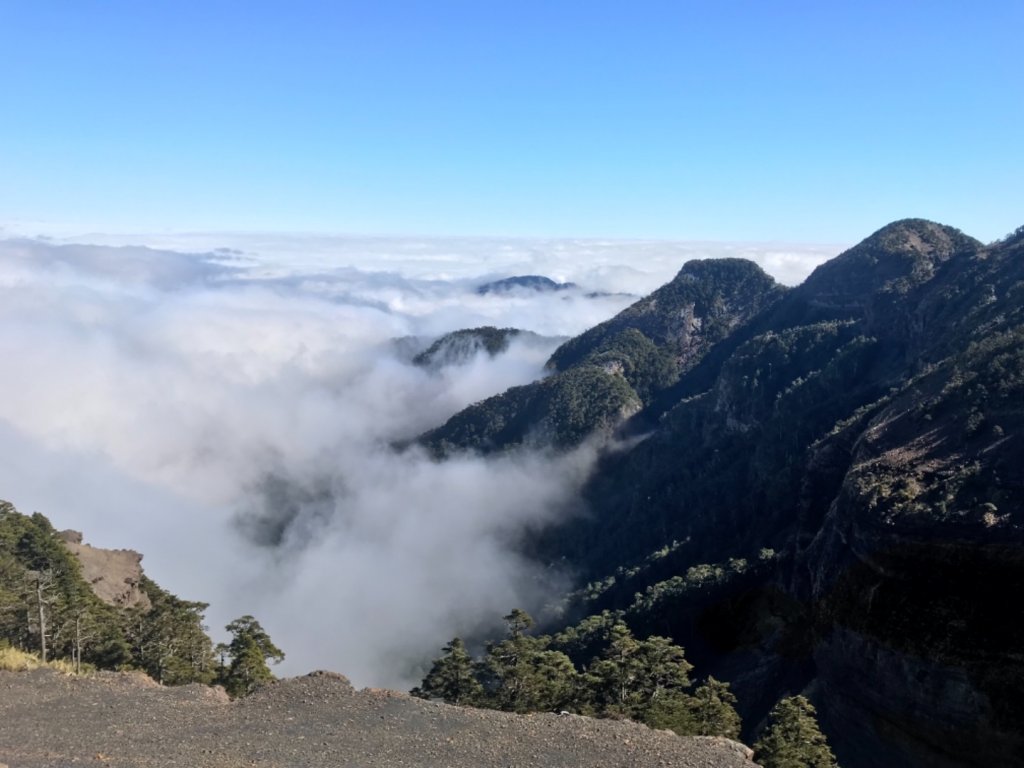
824, 487
535, 283
529, 284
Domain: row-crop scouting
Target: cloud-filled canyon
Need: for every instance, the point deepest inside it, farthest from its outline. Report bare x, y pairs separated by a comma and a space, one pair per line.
230, 407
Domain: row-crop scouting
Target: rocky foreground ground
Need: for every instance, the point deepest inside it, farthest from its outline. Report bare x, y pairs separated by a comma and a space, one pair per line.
49, 719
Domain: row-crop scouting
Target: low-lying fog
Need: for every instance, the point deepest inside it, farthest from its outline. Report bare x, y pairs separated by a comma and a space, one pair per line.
226, 405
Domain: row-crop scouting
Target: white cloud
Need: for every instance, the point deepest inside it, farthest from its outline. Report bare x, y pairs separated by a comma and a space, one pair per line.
154, 398
635, 266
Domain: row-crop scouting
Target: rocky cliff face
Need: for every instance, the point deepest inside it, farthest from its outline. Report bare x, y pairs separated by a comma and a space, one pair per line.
115, 575
917, 569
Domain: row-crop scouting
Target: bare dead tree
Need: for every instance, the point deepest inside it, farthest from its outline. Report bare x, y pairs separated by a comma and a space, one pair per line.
43, 584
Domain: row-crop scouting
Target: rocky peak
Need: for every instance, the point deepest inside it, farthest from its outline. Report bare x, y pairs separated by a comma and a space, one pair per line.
702, 304
729, 270
893, 259
923, 237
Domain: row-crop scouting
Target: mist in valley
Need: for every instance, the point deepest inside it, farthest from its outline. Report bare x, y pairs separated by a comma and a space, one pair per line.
231, 407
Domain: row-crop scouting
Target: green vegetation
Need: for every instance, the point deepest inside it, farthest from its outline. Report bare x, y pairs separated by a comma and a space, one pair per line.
46, 606
712, 711
793, 739
623, 677
701, 306
560, 410
460, 346
48, 611
616, 369
845, 455
168, 640
725, 467
452, 677
249, 650
538, 283
15, 660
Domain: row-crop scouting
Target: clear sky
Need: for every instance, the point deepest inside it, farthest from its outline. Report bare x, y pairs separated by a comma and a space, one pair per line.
798, 121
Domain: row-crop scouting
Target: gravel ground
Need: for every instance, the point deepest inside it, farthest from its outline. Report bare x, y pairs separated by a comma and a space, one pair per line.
49, 719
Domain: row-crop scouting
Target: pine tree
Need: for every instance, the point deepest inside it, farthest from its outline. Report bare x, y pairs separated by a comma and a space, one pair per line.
451, 677
667, 670
634, 676
250, 649
793, 739
523, 674
518, 622
614, 679
712, 710
168, 640
248, 670
673, 712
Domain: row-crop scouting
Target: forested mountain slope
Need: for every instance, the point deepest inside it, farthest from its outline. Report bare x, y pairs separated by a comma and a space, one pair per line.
831, 495
619, 367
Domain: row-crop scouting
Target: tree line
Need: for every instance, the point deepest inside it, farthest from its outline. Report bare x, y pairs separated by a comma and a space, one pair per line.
647, 680
48, 608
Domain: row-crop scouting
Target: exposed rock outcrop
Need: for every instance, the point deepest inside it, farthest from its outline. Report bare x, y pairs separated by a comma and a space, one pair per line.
114, 574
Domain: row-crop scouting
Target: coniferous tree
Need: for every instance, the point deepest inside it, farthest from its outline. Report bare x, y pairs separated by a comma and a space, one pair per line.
518, 622
635, 676
614, 678
553, 682
523, 674
43, 601
667, 672
793, 739
586, 640
47, 606
250, 649
713, 712
452, 677
168, 640
672, 713
248, 670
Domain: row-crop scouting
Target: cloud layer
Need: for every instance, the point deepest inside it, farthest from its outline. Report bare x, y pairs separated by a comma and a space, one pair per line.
230, 413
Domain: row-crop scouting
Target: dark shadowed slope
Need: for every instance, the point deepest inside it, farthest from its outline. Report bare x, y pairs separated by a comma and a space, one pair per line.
857, 462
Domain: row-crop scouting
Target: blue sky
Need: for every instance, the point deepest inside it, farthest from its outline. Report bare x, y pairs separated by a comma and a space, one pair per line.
795, 121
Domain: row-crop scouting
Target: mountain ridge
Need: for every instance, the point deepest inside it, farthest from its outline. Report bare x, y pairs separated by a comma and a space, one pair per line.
613, 371
865, 428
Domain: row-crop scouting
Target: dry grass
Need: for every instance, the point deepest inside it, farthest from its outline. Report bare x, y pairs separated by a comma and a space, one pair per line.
14, 660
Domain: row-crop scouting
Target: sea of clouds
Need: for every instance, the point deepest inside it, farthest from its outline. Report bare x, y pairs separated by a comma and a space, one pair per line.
229, 405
